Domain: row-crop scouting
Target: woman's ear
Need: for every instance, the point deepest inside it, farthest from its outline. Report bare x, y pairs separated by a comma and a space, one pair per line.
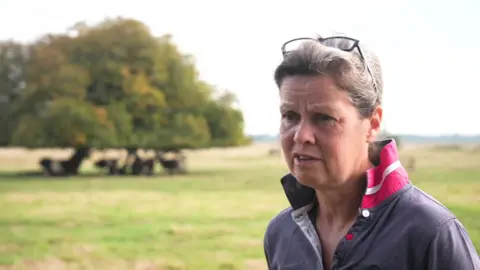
375, 123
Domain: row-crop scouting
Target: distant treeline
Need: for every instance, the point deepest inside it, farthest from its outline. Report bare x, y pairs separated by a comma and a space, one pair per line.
445, 139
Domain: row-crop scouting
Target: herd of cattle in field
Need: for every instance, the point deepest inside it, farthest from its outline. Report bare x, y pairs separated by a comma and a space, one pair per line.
133, 164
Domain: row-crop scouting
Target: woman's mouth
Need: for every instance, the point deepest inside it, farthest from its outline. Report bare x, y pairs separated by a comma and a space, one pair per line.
304, 159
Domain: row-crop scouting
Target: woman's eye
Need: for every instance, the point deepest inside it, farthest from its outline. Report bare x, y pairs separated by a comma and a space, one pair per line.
290, 116
322, 118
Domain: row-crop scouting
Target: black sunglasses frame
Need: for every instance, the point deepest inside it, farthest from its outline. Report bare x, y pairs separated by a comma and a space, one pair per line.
322, 41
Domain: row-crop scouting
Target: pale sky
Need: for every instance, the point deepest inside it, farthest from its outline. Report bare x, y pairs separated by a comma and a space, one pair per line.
429, 49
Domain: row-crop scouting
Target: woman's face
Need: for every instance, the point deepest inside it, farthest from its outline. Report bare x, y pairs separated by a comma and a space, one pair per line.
324, 140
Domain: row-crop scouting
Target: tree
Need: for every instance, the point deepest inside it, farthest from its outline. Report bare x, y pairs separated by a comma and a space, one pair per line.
225, 123
13, 56
113, 84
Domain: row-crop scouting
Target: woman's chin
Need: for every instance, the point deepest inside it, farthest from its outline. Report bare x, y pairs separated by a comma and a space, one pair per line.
312, 179
317, 179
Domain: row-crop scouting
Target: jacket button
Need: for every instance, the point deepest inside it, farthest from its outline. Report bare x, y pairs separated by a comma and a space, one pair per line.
365, 213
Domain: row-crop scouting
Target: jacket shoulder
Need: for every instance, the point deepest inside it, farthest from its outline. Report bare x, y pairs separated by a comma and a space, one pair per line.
278, 223
424, 212
278, 236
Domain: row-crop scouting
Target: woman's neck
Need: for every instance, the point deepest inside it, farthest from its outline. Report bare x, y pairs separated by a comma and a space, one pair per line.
339, 208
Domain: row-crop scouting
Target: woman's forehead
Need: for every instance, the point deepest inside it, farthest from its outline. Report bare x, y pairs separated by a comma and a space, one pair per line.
314, 98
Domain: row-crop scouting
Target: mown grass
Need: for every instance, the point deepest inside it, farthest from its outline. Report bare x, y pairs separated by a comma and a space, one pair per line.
213, 218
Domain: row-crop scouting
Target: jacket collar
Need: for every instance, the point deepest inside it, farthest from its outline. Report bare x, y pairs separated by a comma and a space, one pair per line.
383, 180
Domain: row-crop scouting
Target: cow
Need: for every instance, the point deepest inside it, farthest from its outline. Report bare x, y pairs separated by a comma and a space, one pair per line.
66, 167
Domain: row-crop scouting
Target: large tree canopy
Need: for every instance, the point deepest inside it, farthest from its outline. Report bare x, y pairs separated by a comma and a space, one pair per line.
110, 85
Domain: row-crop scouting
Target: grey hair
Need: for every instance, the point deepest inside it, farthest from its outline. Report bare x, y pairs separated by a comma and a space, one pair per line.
348, 70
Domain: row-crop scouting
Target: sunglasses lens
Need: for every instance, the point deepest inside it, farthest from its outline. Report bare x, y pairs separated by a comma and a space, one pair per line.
296, 44
344, 44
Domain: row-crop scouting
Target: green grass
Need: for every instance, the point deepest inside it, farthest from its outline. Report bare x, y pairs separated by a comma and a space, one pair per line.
213, 218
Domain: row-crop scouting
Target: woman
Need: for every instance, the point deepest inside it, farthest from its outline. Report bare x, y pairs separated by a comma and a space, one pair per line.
352, 205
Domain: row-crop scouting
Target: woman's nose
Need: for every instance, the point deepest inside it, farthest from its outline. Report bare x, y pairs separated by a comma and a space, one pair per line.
304, 133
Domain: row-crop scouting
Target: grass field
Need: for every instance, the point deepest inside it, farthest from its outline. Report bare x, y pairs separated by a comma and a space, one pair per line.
213, 218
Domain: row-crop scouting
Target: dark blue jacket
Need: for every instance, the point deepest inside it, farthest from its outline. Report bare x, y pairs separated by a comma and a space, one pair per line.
398, 227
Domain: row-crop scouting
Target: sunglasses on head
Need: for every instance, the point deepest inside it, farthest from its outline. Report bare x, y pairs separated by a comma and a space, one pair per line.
348, 45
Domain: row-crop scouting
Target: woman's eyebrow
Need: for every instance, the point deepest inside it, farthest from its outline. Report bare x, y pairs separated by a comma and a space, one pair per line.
321, 106
286, 105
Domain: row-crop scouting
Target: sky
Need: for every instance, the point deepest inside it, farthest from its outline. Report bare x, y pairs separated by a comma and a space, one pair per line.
428, 49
